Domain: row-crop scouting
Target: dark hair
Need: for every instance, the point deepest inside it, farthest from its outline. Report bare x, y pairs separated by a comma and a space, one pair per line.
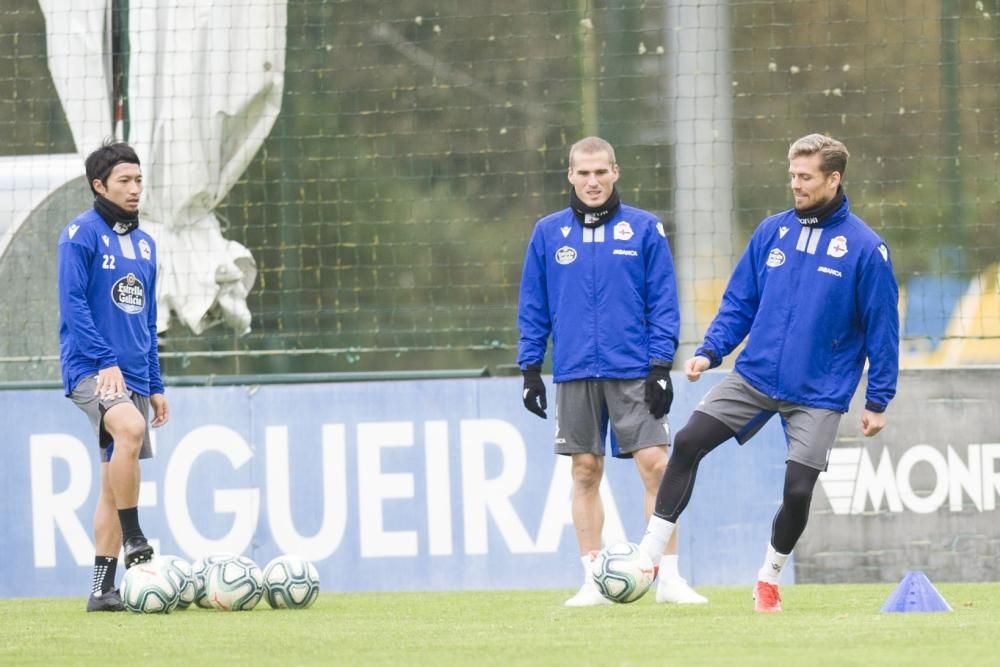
100, 163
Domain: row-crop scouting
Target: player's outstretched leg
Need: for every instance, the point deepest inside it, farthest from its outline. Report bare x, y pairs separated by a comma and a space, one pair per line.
671, 587
701, 435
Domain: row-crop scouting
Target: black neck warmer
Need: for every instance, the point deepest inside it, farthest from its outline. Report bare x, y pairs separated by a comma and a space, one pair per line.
816, 216
118, 219
594, 216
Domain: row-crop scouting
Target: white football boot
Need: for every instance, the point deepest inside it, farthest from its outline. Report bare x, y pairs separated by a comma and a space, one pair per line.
675, 590
587, 596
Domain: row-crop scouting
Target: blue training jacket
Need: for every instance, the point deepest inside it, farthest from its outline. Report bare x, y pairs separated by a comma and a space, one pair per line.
606, 295
107, 304
816, 301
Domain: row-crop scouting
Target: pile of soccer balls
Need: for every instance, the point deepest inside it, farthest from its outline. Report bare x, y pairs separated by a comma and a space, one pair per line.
220, 581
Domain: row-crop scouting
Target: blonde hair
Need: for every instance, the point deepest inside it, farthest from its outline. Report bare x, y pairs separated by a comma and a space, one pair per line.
591, 145
833, 154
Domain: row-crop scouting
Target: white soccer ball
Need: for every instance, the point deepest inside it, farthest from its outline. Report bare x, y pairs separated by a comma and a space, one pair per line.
622, 572
290, 582
180, 573
198, 570
149, 588
234, 585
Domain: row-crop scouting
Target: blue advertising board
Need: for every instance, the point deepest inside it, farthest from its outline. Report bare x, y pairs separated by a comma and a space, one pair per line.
385, 486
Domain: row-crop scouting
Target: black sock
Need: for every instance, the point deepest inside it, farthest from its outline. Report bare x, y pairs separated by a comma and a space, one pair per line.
129, 518
104, 574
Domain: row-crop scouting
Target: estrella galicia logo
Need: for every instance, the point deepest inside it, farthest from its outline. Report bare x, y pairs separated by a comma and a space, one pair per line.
129, 294
775, 258
565, 255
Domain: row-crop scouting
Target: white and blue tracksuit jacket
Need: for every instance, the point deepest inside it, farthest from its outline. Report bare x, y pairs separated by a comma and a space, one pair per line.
606, 295
816, 301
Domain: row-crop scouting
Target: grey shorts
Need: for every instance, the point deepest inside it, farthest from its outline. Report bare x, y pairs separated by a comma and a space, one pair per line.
585, 408
84, 397
809, 432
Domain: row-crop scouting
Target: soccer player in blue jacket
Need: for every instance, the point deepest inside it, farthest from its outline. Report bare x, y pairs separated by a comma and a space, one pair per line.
599, 279
815, 297
107, 346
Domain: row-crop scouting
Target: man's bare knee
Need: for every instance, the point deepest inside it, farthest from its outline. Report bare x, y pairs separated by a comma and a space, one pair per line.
652, 463
587, 470
126, 425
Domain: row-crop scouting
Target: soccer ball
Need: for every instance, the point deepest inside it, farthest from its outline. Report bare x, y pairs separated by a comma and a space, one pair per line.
148, 588
234, 585
198, 570
180, 573
290, 582
622, 572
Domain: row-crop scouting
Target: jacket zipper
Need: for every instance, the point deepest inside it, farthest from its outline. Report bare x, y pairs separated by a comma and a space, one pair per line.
596, 323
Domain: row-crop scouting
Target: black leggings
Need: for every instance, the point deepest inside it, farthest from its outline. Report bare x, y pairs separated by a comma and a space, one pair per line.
701, 435
793, 514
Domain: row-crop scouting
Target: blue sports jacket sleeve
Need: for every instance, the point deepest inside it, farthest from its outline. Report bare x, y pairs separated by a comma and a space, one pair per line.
737, 311
155, 381
74, 270
662, 312
878, 305
533, 305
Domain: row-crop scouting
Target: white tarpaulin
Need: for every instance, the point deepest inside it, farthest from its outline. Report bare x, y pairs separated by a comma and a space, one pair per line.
205, 82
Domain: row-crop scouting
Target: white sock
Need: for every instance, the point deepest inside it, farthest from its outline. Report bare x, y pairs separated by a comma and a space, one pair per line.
770, 571
668, 567
588, 574
658, 533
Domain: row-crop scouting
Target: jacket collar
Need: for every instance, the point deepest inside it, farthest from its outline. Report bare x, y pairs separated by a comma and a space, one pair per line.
825, 218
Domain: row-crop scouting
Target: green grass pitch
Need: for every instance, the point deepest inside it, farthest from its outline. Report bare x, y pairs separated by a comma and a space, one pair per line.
821, 625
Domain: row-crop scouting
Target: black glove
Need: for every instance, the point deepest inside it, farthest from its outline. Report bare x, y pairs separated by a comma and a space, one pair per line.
534, 391
659, 391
